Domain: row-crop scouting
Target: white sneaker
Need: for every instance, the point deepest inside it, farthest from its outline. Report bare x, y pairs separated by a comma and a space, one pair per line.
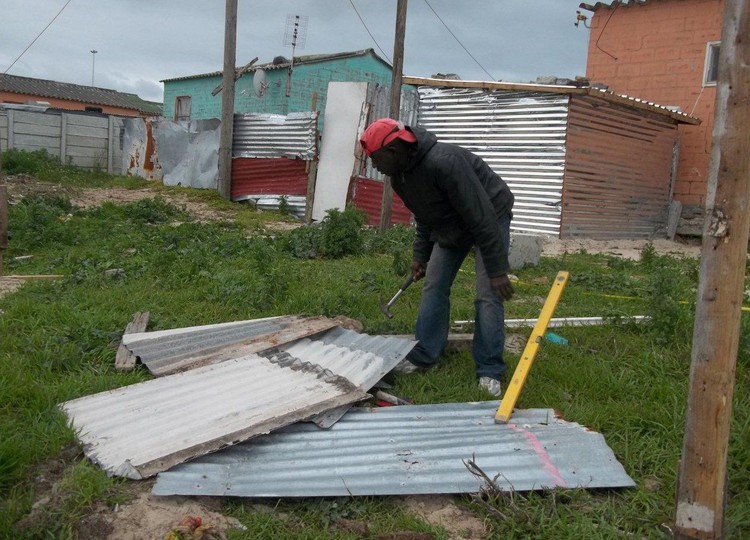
405, 366
490, 385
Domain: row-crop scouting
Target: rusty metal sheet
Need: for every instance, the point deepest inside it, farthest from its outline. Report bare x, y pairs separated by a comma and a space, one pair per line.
140, 430
139, 144
618, 171
367, 195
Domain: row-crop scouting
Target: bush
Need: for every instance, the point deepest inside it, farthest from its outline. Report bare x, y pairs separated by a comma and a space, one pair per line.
31, 163
337, 235
341, 233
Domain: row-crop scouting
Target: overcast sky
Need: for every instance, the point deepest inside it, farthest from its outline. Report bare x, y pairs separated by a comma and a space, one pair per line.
141, 42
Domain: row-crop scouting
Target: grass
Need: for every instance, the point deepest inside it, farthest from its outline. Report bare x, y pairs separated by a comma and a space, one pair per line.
59, 339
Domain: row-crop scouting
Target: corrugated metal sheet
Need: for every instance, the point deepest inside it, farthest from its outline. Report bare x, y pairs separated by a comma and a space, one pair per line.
360, 358
618, 171
405, 450
295, 204
140, 430
169, 351
367, 195
268, 176
274, 135
521, 136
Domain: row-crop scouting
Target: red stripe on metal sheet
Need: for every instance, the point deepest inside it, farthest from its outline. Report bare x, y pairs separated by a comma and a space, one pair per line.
367, 195
268, 176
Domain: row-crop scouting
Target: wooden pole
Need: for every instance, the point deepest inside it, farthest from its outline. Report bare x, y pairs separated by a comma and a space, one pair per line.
386, 207
3, 222
227, 100
701, 490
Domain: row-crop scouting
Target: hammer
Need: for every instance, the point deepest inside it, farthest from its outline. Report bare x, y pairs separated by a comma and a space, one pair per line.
386, 308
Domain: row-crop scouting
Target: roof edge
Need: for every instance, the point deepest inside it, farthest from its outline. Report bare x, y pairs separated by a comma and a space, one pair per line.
305, 59
608, 95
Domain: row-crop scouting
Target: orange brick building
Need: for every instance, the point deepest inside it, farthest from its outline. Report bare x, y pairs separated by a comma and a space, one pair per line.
664, 51
18, 90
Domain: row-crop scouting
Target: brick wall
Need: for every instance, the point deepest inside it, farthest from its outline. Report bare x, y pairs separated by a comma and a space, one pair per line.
656, 51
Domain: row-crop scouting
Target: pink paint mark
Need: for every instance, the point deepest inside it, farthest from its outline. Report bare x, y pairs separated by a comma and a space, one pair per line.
542, 453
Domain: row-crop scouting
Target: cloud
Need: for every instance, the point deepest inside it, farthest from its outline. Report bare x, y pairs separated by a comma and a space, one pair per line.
141, 42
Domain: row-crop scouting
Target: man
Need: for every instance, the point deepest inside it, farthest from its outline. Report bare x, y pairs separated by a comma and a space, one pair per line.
458, 203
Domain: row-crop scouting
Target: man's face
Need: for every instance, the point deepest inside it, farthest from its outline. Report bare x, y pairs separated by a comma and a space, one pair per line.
387, 160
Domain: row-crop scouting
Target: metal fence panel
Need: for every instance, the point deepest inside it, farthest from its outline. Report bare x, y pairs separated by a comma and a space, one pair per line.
521, 136
274, 135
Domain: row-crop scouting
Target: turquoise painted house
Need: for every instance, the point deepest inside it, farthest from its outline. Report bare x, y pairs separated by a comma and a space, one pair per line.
264, 88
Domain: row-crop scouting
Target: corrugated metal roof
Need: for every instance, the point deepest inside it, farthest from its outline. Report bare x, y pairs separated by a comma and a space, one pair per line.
77, 92
140, 430
258, 135
613, 4
285, 63
405, 450
607, 95
168, 351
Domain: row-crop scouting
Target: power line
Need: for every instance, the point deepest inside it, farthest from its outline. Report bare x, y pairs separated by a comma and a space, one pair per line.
459, 41
368, 31
37, 37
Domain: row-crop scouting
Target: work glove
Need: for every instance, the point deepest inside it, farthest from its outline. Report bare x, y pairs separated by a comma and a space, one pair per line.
502, 287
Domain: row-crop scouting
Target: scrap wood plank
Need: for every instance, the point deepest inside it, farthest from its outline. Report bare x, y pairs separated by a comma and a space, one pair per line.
37, 276
125, 360
532, 347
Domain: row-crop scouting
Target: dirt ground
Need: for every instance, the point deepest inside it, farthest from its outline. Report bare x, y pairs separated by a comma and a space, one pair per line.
146, 516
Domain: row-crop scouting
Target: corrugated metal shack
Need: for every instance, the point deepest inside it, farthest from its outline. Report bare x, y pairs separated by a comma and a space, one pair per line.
274, 158
582, 162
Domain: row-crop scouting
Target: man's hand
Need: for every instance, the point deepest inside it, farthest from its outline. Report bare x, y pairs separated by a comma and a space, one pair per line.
418, 270
501, 287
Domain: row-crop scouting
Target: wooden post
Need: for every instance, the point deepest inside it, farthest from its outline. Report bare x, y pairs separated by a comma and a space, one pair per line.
3, 222
701, 490
386, 206
227, 100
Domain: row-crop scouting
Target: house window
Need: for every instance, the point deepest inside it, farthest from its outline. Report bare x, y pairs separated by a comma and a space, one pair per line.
711, 70
182, 108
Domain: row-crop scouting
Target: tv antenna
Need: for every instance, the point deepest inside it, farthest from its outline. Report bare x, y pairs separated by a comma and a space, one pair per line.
294, 36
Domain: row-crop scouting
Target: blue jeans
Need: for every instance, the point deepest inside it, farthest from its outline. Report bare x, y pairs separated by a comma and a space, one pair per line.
433, 319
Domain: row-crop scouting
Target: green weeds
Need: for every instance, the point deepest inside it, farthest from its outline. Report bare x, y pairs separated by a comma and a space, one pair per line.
58, 341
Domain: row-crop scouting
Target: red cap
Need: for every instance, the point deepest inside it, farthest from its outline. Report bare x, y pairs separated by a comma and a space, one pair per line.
382, 132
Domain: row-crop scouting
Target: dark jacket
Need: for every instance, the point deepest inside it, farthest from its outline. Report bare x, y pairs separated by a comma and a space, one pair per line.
456, 199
